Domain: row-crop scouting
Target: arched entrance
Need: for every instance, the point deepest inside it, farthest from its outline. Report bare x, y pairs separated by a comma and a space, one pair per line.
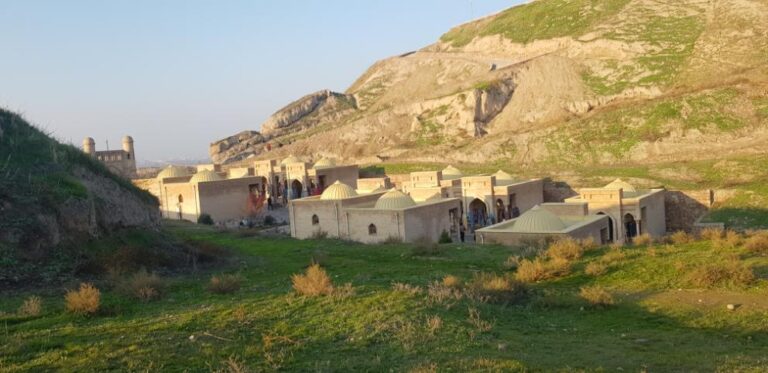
296, 189
610, 226
477, 216
630, 226
501, 212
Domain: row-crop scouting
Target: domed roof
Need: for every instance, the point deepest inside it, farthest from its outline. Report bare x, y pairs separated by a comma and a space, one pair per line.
289, 160
88, 140
538, 220
451, 172
127, 139
205, 175
338, 190
621, 184
501, 175
325, 162
393, 200
173, 171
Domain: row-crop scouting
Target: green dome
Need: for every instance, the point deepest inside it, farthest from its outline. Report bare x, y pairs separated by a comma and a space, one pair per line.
172, 171
394, 200
205, 175
537, 220
338, 190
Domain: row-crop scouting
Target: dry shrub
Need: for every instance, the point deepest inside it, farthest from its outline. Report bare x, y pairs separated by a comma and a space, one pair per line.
437, 293
566, 249
644, 239
239, 314
225, 284
588, 243
596, 295
613, 256
452, 281
406, 288
84, 301
434, 323
233, 365
596, 269
313, 283
711, 234
476, 321
757, 243
512, 262
616, 246
728, 240
681, 238
538, 269
143, 286
424, 368
489, 287
32, 306
732, 272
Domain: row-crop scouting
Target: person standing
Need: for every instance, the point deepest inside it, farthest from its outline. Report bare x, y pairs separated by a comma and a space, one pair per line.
462, 232
270, 207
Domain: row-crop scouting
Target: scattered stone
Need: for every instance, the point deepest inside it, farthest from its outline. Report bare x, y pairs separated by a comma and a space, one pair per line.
731, 307
192, 337
502, 346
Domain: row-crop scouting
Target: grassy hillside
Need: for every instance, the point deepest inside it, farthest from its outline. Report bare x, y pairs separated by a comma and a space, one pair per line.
669, 313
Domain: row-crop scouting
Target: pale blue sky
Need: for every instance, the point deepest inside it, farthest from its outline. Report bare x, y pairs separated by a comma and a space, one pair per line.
179, 74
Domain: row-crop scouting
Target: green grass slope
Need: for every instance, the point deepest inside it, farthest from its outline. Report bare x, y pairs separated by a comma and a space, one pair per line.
660, 320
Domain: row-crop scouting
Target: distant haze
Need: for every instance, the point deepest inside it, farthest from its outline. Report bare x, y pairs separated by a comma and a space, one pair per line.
177, 75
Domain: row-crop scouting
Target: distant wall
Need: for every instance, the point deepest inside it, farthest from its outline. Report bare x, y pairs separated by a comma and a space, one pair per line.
684, 207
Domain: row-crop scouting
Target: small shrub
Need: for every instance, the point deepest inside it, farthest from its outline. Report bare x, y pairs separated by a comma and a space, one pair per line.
565, 249
224, 284
728, 240
596, 268
437, 293
732, 272
205, 219
613, 256
596, 296
406, 288
757, 243
681, 238
476, 321
425, 247
644, 239
269, 220
539, 269
616, 246
313, 283
488, 287
512, 262
32, 306
589, 243
711, 234
444, 238
143, 286
452, 281
239, 314
434, 323
84, 301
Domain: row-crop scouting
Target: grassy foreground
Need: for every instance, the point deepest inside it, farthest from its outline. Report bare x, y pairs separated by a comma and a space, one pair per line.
659, 320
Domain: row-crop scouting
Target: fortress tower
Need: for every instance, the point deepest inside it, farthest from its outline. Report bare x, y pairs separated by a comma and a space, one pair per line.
121, 162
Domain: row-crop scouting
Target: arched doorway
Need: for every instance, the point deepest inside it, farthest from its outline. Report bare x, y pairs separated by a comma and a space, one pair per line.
501, 212
179, 205
296, 189
610, 226
630, 226
477, 216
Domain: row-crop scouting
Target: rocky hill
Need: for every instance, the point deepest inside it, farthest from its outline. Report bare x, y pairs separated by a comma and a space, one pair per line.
54, 198
551, 82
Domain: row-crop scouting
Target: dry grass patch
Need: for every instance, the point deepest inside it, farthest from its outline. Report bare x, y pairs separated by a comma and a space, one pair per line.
732, 272
437, 293
489, 287
32, 306
539, 269
596, 296
434, 323
512, 262
314, 282
613, 256
83, 301
565, 249
452, 281
406, 288
757, 243
681, 238
143, 286
728, 240
225, 284
644, 239
477, 321
710, 234
596, 268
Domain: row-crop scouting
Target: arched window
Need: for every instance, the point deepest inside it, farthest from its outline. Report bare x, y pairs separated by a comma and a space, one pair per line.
181, 198
315, 220
372, 229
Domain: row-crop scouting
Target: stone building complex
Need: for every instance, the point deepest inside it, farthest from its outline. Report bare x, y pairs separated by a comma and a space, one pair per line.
121, 162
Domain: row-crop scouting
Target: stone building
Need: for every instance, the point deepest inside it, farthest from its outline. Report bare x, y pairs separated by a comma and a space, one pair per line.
294, 178
121, 162
545, 223
341, 212
630, 211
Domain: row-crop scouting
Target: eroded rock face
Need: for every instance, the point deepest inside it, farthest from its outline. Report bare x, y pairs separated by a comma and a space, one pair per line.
321, 103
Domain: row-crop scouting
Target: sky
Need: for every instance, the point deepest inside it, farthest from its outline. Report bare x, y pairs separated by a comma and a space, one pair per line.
179, 74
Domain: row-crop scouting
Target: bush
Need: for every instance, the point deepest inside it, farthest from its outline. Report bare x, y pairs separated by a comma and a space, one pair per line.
539, 269
425, 247
512, 262
711, 234
589, 243
84, 301
644, 239
596, 269
565, 249
444, 238
143, 286
489, 287
681, 238
613, 256
758, 243
32, 306
596, 296
205, 219
270, 220
224, 284
732, 272
727, 240
451, 281
313, 283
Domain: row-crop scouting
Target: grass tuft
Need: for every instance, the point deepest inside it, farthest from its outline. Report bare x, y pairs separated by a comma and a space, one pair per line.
83, 301
315, 282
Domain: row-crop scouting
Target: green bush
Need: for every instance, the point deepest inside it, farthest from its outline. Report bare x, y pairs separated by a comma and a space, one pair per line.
205, 219
269, 220
444, 238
